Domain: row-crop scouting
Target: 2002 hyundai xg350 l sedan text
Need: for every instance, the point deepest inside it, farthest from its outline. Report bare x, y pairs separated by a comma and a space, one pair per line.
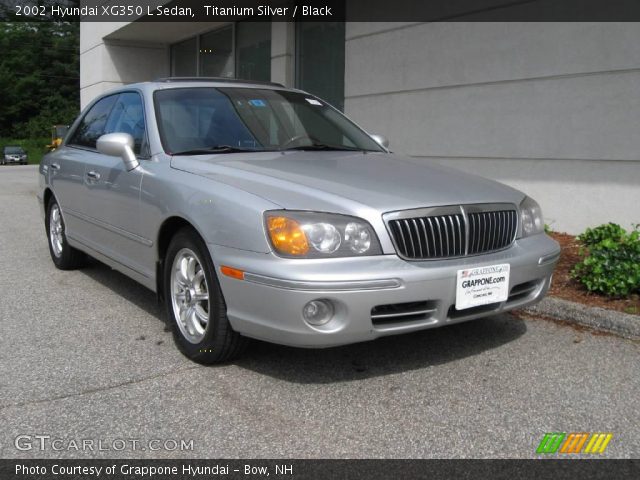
259, 211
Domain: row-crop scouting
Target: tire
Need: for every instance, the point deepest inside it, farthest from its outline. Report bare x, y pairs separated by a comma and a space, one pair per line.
204, 333
64, 256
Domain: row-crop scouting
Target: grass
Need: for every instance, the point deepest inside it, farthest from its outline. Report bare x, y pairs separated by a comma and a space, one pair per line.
35, 147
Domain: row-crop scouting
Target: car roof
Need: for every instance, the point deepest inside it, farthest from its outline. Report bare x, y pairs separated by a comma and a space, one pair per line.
193, 82
222, 80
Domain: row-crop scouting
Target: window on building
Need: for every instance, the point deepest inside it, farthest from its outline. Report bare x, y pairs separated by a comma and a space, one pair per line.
184, 58
253, 50
242, 50
320, 60
216, 53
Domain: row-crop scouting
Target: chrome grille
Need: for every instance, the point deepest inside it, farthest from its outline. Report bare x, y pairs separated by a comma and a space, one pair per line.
429, 237
452, 231
490, 231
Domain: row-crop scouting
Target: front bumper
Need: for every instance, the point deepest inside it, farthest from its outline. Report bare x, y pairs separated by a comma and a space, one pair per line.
14, 160
268, 303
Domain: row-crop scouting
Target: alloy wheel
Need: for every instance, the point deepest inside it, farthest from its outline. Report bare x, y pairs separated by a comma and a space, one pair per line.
190, 295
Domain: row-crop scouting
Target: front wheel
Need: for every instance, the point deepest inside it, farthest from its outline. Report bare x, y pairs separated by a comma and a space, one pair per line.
195, 305
64, 256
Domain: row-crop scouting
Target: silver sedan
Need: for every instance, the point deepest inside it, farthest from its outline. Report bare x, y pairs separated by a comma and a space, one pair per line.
257, 211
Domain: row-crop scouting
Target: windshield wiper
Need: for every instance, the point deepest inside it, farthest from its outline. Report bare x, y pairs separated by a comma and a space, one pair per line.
323, 146
216, 149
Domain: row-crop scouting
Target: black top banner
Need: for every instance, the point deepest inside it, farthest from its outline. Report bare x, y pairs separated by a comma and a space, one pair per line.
321, 10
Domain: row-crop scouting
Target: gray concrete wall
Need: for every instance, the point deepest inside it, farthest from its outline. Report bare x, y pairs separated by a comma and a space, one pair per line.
108, 63
550, 108
282, 53
117, 53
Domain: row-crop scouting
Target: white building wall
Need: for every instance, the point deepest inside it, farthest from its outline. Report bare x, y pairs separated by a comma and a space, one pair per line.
118, 53
550, 108
106, 64
282, 53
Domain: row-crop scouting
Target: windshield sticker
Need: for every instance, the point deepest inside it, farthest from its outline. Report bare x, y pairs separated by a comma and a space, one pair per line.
258, 103
313, 101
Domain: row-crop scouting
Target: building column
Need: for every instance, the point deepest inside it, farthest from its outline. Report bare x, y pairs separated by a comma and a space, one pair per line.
283, 53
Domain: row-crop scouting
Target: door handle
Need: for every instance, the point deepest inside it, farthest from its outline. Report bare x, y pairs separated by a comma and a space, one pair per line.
55, 166
95, 176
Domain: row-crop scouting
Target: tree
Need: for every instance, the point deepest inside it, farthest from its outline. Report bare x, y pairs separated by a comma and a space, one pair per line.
39, 76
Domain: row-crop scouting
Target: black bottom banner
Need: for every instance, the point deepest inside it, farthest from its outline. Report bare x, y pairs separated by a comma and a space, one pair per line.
156, 469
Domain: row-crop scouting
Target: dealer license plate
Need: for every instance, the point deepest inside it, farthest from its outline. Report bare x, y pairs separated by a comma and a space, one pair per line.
482, 285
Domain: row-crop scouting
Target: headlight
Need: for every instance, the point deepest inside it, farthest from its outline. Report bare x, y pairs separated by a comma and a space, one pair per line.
298, 234
531, 217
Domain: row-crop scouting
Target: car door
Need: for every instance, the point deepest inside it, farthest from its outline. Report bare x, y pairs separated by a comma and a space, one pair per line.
67, 166
113, 193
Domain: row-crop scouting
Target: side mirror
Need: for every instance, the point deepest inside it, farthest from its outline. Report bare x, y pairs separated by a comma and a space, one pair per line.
382, 140
118, 145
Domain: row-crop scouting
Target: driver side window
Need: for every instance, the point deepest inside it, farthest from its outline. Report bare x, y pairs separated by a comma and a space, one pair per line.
92, 125
127, 116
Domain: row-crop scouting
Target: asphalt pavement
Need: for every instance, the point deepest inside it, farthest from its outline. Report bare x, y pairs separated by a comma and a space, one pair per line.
85, 356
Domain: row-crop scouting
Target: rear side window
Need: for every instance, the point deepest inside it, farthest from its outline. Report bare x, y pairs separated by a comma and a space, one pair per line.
127, 116
93, 124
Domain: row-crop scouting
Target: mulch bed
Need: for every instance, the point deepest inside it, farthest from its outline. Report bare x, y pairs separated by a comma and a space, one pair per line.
563, 286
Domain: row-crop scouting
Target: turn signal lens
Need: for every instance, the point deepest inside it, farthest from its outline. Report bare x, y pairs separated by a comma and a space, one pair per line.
286, 236
232, 272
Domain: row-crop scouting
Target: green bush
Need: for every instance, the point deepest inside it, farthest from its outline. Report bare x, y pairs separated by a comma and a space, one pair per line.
593, 236
611, 263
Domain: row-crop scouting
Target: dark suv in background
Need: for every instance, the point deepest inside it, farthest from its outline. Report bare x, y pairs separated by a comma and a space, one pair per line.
13, 154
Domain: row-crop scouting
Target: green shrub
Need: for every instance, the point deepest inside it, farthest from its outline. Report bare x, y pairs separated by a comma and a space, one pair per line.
611, 263
593, 236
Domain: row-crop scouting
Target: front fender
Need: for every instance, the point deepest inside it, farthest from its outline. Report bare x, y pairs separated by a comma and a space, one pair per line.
222, 214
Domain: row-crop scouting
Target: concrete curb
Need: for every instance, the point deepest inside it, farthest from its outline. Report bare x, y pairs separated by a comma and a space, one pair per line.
612, 321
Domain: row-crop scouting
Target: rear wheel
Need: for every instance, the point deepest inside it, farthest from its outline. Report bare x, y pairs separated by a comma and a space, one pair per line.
195, 305
64, 256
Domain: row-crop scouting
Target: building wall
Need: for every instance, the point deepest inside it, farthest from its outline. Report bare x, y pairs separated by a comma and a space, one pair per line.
108, 63
550, 108
118, 53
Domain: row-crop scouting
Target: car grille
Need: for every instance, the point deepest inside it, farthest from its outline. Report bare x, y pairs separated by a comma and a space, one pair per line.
472, 231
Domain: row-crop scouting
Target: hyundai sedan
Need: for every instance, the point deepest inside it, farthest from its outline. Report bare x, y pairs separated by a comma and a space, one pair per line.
258, 211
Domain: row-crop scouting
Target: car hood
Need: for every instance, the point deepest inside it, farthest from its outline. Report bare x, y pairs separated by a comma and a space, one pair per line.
347, 182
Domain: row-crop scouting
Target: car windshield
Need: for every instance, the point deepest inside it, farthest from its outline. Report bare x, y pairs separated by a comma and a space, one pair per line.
13, 150
226, 120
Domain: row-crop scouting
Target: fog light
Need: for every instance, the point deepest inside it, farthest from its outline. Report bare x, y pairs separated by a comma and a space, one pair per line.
317, 312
